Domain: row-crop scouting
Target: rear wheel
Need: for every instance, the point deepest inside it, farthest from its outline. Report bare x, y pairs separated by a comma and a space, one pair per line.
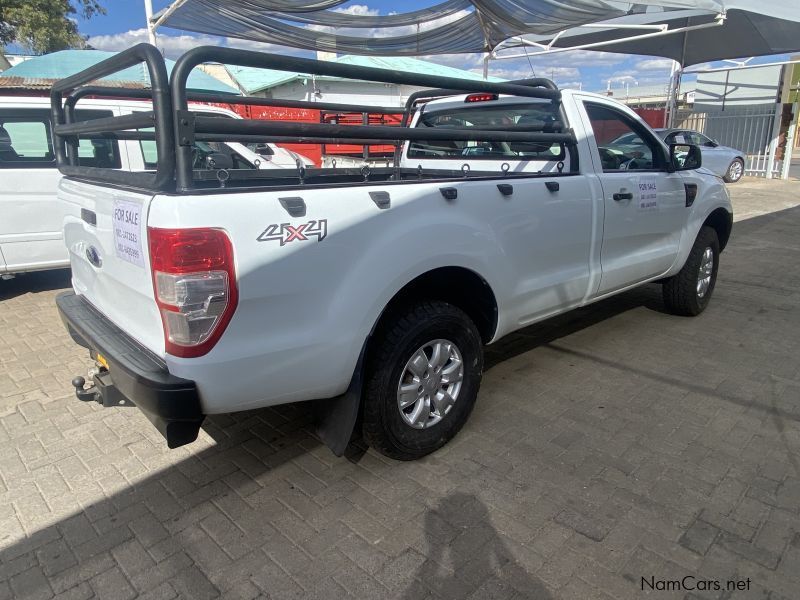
735, 171
689, 292
423, 376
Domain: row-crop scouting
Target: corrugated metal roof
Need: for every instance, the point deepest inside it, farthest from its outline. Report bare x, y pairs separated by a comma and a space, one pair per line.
67, 62
256, 80
43, 83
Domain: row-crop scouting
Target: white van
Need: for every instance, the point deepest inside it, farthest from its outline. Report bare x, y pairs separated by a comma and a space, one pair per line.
31, 217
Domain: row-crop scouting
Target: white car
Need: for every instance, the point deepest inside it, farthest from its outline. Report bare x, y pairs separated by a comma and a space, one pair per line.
31, 235
373, 291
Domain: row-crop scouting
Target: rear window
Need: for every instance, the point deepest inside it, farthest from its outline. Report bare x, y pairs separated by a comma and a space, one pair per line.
496, 116
26, 140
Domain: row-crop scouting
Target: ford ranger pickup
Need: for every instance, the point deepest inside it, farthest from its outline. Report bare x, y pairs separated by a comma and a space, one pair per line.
370, 290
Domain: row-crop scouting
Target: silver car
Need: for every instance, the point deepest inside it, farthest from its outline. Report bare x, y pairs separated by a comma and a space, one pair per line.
726, 162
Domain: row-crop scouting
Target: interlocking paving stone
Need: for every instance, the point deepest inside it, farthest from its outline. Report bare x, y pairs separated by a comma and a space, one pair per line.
607, 445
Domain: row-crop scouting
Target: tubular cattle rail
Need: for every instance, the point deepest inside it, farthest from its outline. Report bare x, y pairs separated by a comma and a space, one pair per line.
175, 128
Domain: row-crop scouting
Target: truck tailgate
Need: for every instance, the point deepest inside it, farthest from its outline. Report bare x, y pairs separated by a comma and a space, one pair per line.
105, 231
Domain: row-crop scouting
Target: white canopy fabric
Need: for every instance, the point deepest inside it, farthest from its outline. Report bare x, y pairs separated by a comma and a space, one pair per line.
748, 27
453, 26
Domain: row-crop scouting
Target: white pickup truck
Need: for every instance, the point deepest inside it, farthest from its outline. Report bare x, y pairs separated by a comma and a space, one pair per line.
372, 291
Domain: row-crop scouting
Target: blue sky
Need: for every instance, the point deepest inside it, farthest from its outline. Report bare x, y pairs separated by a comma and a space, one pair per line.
124, 23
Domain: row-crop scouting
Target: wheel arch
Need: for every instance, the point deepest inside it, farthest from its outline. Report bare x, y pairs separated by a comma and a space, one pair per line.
721, 220
459, 286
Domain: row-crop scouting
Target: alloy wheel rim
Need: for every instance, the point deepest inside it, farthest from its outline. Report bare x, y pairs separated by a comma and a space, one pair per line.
735, 170
705, 272
430, 383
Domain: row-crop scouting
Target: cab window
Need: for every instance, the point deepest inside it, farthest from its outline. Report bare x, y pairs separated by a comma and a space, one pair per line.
502, 116
623, 143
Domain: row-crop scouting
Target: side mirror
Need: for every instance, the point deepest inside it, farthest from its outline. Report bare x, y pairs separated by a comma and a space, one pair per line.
684, 157
711, 144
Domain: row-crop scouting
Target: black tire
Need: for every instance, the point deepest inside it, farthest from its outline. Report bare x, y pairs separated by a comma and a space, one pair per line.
728, 178
680, 292
403, 333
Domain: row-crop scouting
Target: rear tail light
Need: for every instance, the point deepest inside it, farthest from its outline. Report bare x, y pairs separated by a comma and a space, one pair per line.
195, 286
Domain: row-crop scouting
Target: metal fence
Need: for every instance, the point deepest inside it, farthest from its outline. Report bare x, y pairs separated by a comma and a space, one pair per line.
752, 129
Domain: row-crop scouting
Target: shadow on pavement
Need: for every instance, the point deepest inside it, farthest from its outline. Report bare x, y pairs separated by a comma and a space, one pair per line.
37, 281
488, 572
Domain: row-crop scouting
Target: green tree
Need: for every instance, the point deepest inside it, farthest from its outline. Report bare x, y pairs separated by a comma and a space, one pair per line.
45, 25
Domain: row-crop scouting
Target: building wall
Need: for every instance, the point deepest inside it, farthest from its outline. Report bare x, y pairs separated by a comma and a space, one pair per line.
346, 92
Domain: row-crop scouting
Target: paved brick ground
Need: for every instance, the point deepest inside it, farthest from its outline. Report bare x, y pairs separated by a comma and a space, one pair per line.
608, 445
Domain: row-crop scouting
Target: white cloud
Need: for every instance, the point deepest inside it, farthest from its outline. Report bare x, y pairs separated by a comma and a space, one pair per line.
174, 45
584, 58
524, 71
654, 64
171, 45
359, 10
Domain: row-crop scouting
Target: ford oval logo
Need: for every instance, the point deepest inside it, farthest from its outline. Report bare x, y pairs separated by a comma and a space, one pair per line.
94, 256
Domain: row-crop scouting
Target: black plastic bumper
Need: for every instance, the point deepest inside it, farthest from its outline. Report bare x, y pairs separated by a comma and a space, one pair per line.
171, 403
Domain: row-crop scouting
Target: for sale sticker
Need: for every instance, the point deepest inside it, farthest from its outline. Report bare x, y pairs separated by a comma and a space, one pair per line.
648, 193
127, 221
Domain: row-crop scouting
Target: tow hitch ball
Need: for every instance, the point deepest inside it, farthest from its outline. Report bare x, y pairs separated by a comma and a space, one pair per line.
86, 395
101, 391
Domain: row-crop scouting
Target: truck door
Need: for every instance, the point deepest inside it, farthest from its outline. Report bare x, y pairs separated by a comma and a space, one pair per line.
644, 204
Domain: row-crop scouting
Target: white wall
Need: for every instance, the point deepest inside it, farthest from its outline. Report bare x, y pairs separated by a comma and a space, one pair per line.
348, 92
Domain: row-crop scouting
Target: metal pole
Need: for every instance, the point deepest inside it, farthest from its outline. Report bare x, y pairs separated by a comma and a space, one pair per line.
672, 94
486, 66
148, 13
787, 151
773, 142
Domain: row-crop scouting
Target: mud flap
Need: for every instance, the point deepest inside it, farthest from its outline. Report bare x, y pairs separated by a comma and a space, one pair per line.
336, 417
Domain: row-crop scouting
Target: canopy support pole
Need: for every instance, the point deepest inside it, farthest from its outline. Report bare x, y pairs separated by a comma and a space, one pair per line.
166, 13
672, 95
718, 21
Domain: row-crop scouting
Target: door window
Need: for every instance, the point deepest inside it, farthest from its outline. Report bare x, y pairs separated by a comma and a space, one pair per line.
623, 143
26, 141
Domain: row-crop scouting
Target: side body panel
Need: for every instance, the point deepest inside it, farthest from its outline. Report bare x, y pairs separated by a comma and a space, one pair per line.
308, 300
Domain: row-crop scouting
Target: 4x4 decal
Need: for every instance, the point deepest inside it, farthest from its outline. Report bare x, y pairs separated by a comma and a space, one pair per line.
286, 232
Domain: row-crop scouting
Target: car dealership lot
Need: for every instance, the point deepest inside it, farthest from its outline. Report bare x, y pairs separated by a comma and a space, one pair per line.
610, 445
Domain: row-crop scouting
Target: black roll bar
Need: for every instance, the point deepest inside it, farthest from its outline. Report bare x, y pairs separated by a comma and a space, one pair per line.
191, 96
175, 128
236, 129
247, 58
162, 118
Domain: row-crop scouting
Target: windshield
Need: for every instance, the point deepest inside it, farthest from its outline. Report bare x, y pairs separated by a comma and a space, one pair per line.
490, 116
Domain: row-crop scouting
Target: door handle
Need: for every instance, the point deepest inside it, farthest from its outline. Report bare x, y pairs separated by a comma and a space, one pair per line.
623, 196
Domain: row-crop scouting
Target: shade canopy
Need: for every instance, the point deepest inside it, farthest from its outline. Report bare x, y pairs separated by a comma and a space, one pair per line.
739, 28
452, 26
749, 27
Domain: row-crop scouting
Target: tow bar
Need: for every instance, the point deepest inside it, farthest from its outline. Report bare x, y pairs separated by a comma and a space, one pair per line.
102, 390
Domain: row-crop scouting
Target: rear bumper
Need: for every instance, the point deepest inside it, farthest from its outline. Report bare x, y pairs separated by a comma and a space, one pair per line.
171, 403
